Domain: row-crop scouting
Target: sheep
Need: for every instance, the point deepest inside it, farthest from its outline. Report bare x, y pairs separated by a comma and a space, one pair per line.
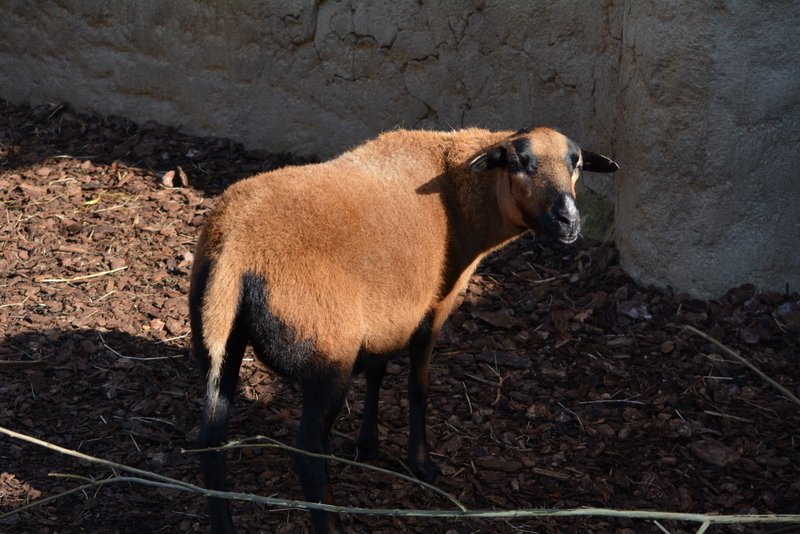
332, 268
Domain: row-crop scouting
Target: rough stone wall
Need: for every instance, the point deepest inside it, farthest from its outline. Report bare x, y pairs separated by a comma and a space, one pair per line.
709, 136
299, 76
698, 102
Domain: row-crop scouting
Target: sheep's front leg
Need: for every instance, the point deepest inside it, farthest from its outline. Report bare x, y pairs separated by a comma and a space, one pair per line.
420, 349
374, 367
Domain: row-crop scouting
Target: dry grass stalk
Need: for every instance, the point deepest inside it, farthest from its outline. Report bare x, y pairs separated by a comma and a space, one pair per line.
785, 392
85, 277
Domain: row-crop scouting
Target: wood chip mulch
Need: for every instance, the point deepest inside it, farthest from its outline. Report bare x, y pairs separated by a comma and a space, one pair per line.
558, 383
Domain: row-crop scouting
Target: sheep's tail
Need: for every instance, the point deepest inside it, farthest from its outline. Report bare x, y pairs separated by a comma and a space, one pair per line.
220, 306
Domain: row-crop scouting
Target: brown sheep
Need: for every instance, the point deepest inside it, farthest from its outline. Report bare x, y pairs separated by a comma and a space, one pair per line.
330, 269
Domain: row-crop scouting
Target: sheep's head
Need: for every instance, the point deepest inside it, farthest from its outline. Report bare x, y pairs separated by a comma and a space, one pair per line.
537, 189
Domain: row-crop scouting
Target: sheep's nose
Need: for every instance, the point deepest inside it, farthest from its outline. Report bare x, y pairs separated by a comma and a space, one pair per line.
565, 211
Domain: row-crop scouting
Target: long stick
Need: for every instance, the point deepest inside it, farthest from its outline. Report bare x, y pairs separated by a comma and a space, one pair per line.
166, 482
277, 444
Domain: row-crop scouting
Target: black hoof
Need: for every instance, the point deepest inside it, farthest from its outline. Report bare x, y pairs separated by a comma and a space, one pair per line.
221, 522
428, 472
326, 523
367, 451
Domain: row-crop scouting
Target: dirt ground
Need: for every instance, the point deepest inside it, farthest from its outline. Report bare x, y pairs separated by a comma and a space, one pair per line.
558, 383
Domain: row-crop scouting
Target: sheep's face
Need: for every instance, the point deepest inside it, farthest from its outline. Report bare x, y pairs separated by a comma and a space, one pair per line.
537, 189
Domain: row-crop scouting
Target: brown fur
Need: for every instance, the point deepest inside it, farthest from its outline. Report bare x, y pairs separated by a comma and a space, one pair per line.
357, 251
312, 232
352, 254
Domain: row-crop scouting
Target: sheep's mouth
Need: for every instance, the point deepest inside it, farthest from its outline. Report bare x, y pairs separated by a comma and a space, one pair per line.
564, 232
571, 238
562, 222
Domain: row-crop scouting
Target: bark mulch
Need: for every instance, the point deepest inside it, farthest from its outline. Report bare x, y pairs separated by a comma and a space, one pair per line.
558, 383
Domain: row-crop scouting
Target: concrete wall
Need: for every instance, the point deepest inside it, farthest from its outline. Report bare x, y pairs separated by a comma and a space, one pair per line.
698, 103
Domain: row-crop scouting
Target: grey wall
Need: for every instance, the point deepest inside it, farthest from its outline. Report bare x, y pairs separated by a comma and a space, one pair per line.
699, 103
709, 111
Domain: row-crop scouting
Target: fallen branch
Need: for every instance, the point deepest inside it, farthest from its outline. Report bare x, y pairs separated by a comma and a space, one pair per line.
785, 392
271, 443
153, 479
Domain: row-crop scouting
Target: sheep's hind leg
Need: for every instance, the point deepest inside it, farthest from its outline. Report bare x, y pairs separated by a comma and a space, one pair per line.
214, 432
324, 392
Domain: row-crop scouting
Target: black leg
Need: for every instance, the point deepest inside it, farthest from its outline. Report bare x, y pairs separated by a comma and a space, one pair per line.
420, 349
367, 443
215, 429
324, 390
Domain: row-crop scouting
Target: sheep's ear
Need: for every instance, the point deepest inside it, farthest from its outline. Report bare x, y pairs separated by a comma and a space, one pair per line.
596, 163
496, 157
